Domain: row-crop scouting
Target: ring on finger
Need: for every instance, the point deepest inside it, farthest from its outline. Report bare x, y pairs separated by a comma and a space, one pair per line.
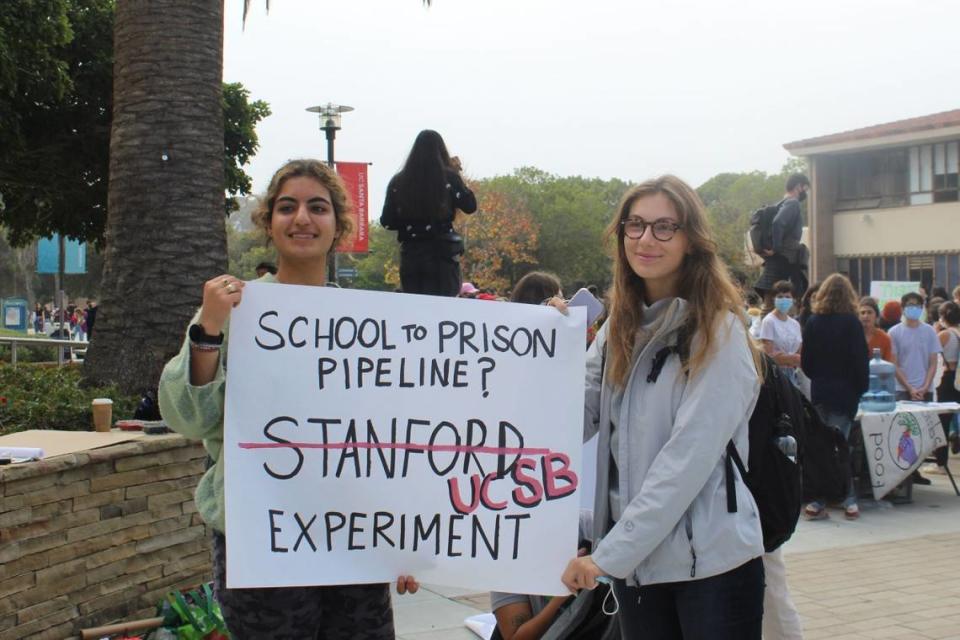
231, 288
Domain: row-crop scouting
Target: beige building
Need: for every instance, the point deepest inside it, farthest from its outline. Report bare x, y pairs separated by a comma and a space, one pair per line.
884, 202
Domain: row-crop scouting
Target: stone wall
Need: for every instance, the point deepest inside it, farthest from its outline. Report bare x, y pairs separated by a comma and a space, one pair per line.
98, 536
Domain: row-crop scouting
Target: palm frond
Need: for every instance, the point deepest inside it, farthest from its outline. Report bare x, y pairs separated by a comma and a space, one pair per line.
246, 10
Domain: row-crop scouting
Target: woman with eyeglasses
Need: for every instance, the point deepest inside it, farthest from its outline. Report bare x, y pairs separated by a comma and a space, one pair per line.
672, 378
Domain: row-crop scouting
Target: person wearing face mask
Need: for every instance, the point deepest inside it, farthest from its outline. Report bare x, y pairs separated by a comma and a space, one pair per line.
781, 334
787, 260
915, 348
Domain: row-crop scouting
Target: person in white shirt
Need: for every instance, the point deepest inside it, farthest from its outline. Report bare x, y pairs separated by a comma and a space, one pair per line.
781, 338
781, 334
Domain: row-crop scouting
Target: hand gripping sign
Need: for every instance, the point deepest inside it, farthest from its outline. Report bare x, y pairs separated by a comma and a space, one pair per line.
370, 435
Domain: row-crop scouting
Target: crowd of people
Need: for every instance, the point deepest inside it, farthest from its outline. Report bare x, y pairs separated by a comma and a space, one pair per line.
920, 337
78, 320
681, 565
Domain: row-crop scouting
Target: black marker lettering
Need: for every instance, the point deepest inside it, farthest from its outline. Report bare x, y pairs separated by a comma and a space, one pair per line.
331, 528
378, 528
304, 528
269, 436
516, 531
269, 347
293, 342
274, 530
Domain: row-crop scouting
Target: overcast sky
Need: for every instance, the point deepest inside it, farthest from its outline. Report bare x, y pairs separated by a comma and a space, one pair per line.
608, 88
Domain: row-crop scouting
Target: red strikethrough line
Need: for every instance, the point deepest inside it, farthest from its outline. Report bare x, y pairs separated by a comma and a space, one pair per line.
445, 448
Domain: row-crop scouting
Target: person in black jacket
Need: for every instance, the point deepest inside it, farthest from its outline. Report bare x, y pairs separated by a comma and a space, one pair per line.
835, 359
787, 260
420, 205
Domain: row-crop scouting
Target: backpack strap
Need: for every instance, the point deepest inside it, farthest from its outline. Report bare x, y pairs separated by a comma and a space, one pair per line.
732, 458
659, 358
775, 373
681, 348
603, 361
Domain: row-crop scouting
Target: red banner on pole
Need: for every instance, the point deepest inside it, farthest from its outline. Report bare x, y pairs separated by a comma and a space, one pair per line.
354, 175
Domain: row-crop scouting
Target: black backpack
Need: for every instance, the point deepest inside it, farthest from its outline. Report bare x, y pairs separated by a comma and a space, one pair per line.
761, 227
826, 459
774, 479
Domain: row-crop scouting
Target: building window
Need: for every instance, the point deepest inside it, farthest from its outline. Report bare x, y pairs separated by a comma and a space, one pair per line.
945, 172
942, 270
934, 170
921, 270
874, 180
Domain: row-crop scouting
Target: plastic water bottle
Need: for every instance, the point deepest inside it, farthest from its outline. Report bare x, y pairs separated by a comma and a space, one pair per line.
788, 444
883, 385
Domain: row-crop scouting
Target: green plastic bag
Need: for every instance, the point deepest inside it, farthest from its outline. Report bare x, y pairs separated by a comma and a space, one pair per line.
194, 617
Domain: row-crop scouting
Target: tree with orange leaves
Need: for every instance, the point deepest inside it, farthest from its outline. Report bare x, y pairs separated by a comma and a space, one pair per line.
501, 238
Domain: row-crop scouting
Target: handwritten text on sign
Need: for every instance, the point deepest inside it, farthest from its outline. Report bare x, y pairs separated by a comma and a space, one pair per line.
370, 435
896, 443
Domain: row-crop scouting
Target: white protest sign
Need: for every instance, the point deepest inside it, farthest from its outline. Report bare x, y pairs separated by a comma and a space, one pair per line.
371, 435
883, 291
897, 442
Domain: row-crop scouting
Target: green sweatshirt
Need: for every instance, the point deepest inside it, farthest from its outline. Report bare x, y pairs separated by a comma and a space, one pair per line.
197, 413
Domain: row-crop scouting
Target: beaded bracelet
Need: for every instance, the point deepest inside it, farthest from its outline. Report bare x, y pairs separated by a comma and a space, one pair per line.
199, 346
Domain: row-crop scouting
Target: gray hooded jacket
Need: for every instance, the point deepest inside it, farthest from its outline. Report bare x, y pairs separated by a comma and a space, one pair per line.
671, 441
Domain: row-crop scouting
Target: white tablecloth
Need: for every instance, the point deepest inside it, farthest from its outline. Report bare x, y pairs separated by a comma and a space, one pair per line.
896, 442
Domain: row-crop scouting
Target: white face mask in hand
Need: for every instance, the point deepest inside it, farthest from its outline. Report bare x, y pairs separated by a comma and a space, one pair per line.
616, 603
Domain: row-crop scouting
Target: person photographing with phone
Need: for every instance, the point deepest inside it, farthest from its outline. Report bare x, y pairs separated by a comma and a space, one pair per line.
421, 203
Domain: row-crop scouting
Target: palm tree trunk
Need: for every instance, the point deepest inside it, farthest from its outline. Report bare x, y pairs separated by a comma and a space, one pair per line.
27, 265
165, 224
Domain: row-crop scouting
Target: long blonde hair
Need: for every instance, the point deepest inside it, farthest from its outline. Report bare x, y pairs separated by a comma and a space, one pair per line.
704, 281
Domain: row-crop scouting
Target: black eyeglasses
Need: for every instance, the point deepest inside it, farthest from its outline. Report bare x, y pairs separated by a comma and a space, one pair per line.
663, 230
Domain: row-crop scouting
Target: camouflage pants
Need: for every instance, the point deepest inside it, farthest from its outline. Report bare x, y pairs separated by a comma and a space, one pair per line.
355, 612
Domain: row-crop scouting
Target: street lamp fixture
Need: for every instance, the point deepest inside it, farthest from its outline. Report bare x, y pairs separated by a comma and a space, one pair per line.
330, 123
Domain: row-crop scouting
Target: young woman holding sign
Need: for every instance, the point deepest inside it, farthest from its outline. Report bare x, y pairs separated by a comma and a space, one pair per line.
672, 377
305, 212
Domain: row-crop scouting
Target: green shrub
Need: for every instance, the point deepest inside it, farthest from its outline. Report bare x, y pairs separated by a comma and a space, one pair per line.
28, 354
33, 397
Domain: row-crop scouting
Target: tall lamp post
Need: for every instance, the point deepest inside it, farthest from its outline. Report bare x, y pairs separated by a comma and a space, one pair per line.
330, 124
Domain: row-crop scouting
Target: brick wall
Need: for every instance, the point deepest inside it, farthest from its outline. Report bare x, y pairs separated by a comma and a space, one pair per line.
99, 536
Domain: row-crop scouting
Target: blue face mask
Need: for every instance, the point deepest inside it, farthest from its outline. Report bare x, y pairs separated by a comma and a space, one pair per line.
912, 312
783, 305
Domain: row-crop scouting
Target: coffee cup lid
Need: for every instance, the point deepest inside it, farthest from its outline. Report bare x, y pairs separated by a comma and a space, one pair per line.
102, 401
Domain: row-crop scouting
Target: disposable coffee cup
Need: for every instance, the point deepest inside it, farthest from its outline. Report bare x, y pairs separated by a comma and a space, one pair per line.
102, 414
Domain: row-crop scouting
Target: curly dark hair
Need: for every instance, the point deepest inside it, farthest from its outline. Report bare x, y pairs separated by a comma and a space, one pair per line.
306, 168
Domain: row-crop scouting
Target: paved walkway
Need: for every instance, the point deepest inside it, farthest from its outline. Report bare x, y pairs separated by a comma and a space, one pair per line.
892, 574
